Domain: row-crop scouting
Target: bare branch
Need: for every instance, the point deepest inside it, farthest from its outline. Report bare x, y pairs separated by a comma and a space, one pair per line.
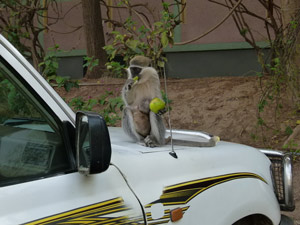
213, 28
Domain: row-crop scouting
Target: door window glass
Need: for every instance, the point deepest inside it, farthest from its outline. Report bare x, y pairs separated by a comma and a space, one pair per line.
30, 142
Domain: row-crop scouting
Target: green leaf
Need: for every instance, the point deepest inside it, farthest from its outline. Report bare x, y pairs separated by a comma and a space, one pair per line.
259, 74
288, 130
158, 24
262, 105
60, 80
132, 44
119, 37
41, 64
68, 86
165, 5
50, 78
276, 60
113, 54
55, 65
164, 39
243, 32
161, 63
260, 121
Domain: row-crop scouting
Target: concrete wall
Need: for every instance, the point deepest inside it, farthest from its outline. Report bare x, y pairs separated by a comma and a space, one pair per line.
194, 64
71, 66
212, 63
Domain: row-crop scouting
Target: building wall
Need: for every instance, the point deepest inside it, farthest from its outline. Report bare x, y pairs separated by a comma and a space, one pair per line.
202, 15
238, 62
220, 53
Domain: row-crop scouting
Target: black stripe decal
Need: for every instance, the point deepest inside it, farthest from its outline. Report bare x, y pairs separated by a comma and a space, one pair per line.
182, 193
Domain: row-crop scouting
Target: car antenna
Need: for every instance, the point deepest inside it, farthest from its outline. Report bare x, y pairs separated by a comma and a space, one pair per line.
172, 152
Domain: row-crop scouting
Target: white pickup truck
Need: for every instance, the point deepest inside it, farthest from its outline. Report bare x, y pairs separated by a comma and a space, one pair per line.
58, 167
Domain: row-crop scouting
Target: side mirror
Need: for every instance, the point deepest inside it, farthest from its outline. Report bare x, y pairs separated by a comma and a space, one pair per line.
93, 148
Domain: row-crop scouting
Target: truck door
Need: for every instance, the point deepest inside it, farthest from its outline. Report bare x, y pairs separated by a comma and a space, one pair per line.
39, 182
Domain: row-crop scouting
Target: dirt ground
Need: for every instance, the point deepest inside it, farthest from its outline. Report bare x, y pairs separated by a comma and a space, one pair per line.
223, 106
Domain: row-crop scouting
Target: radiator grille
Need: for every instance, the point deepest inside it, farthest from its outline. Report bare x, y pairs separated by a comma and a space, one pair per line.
278, 173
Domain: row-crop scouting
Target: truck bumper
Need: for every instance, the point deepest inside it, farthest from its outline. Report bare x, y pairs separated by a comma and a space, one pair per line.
285, 220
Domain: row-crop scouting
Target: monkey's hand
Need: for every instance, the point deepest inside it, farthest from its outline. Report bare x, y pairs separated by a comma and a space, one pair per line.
162, 111
128, 85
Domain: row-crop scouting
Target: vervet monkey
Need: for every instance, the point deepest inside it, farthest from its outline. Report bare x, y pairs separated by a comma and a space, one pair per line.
138, 121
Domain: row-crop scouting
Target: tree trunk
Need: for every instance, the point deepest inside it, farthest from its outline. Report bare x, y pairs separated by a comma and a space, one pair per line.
94, 36
290, 16
289, 10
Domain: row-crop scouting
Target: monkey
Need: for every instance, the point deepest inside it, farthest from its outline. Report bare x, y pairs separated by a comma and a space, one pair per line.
138, 121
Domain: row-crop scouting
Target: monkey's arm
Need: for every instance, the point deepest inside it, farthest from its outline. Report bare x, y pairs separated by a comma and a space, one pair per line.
126, 90
144, 105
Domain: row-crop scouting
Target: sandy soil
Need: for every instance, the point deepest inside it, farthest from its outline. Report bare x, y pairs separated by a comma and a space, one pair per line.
225, 106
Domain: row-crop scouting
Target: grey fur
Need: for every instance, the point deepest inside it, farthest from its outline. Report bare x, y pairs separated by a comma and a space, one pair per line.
137, 95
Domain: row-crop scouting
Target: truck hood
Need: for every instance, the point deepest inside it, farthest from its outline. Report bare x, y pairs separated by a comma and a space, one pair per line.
144, 167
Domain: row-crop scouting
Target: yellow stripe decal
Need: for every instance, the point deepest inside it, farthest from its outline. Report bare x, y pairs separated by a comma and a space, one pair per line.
99, 213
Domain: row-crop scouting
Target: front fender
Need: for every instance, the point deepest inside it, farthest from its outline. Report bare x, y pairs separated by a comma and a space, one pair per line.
228, 202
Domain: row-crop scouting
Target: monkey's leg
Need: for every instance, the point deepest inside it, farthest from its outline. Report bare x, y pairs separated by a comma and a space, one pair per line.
128, 125
141, 122
158, 131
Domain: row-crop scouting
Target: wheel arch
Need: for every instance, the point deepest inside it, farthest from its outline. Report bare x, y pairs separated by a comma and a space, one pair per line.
255, 219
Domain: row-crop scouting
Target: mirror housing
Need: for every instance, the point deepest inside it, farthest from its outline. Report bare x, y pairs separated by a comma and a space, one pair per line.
93, 147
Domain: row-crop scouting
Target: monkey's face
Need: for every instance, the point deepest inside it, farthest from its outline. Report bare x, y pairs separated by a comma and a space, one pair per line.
134, 71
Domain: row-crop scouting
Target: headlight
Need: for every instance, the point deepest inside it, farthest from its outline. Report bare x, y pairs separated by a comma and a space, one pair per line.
282, 175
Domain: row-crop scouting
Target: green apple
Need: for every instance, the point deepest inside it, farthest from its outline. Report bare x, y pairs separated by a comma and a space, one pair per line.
156, 105
136, 79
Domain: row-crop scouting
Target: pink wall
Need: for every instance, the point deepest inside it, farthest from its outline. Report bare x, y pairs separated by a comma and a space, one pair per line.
71, 18
201, 15
59, 33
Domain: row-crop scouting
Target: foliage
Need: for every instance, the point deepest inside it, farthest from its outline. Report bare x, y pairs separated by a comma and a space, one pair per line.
148, 39
12, 101
116, 68
293, 147
66, 82
79, 104
166, 100
112, 105
109, 105
90, 62
49, 65
22, 21
279, 78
